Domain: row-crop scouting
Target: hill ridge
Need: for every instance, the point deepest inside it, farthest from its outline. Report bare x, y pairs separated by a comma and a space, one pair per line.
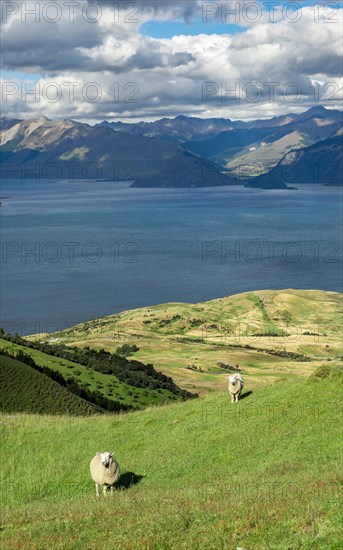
270, 334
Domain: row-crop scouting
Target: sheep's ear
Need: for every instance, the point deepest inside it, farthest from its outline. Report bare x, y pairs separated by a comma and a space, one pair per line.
98, 454
111, 454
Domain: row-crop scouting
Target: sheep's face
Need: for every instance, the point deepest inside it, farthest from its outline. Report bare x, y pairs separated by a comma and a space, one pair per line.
233, 380
105, 458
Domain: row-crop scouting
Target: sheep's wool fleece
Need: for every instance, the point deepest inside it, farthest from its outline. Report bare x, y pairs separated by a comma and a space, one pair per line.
237, 387
102, 475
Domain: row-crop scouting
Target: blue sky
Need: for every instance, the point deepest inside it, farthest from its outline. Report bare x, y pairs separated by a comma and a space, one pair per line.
217, 21
20, 75
168, 29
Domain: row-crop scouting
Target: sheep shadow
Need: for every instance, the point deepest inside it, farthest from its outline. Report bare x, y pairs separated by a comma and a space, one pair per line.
246, 394
127, 480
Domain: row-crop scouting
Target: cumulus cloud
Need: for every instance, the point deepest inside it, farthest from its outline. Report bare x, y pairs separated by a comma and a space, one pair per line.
264, 70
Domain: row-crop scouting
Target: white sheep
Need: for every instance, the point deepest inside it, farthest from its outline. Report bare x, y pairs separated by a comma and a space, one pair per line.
235, 386
105, 471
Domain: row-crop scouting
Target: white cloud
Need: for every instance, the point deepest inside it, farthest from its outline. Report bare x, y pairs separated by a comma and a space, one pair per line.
142, 77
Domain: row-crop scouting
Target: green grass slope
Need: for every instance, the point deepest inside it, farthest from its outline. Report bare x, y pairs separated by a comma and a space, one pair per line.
204, 474
23, 389
108, 385
269, 334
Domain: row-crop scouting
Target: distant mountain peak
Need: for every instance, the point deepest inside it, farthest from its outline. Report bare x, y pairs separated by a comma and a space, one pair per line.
317, 108
41, 118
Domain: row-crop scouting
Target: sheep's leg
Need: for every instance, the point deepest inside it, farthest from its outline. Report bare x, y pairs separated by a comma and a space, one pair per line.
111, 489
232, 398
97, 489
104, 489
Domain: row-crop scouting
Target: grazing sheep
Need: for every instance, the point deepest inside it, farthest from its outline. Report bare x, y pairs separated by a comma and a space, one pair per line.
235, 386
105, 471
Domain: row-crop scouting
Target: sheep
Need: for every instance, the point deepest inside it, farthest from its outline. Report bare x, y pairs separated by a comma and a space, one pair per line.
235, 386
105, 471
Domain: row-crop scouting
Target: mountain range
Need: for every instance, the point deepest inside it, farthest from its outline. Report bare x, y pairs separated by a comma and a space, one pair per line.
321, 162
179, 152
52, 150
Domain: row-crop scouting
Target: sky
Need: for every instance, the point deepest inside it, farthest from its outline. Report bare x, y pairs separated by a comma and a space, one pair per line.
148, 59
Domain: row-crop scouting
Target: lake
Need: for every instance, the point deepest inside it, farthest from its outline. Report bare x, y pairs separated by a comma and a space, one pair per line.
75, 251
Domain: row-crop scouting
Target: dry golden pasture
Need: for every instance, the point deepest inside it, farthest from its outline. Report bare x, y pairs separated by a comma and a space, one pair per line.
268, 334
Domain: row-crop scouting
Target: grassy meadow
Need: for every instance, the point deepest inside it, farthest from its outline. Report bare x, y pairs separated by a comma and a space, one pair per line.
262, 474
23, 389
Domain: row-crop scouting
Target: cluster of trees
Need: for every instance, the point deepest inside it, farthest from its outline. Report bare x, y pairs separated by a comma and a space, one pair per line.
126, 349
279, 353
289, 355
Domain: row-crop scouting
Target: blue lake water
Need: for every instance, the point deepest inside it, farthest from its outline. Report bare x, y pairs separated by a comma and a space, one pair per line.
75, 251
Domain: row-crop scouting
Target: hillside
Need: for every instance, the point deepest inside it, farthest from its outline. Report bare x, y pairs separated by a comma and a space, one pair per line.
23, 389
321, 162
91, 375
268, 334
263, 154
203, 474
251, 148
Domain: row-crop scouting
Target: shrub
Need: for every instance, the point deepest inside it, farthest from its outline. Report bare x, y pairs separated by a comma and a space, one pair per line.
327, 371
126, 349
